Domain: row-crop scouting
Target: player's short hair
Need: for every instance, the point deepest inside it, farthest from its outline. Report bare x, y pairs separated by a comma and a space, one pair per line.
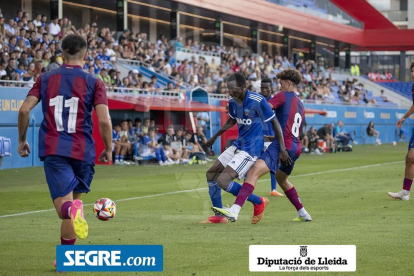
151, 129
290, 74
239, 78
412, 65
137, 120
267, 80
74, 47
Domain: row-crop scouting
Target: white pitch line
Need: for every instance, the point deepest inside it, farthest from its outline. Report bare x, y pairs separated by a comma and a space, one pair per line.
199, 189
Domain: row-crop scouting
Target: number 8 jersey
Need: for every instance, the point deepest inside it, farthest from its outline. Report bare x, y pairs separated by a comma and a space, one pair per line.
68, 95
290, 113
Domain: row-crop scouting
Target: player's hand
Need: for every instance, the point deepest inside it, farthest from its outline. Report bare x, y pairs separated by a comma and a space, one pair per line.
284, 157
211, 141
105, 156
23, 149
400, 122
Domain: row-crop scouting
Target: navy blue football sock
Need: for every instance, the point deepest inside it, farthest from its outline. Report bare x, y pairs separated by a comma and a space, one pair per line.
215, 194
273, 181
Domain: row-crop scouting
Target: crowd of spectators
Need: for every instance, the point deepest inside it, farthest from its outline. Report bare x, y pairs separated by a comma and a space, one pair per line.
30, 46
384, 76
140, 140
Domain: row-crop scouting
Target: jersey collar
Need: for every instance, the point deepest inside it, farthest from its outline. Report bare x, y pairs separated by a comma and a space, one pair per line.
71, 66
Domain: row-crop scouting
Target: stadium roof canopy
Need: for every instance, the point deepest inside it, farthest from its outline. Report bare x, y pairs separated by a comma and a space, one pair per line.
239, 17
378, 33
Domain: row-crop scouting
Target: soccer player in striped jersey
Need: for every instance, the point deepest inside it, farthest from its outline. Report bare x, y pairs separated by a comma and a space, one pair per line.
266, 90
249, 110
68, 95
290, 112
404, 194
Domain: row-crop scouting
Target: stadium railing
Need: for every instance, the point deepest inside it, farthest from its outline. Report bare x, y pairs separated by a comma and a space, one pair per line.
184, 53
148, 71
16, 84
114, 91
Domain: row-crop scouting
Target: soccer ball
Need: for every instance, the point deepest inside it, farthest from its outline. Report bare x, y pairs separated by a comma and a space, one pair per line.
104, 209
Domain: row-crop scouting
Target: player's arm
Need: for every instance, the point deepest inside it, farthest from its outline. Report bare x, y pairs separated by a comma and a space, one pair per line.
406, 115
23, 124
105, 128
229, 124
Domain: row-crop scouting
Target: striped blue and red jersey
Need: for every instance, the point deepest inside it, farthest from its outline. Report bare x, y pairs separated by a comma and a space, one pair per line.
290, 113
68, 96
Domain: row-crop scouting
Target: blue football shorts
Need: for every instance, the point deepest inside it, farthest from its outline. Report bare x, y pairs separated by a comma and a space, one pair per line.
64, 175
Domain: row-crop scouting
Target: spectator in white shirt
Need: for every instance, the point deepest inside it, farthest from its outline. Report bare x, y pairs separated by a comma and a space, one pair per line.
10, 30
54, 27
38, 20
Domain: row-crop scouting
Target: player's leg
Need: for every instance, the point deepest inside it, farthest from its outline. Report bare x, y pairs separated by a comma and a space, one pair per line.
214, 190
63, 206
305, 142
404, 194
245, 192
117, 151
238, 167
290, 191
62, 181
273, 183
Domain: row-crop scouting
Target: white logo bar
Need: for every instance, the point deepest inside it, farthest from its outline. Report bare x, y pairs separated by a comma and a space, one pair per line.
302, 258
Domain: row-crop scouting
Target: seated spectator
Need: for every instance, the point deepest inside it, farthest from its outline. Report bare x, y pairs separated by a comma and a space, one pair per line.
149, 147
304, 138
313, 141
166, 140
11, 70
53, 64
201, 140
341, 135
122, 144
145, 126
134, 79
384, 98
138, 127
365, 100
170, 87
154, 82
355, 98
103, 75
325, 134
371, 131
189, 144
203, 119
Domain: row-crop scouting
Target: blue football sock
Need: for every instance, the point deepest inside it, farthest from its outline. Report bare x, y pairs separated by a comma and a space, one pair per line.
121, 157
215, 194
273, 181
116, 157
234, 189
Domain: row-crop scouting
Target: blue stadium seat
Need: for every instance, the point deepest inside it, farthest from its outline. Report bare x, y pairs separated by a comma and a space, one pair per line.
1, 147
7, 147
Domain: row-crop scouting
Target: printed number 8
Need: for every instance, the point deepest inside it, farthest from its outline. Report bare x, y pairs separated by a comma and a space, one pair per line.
296, 125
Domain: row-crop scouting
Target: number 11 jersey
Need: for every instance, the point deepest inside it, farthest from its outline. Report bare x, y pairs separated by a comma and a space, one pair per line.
68, 95
290, 113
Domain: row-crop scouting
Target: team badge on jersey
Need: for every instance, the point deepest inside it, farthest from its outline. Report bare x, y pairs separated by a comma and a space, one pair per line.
246, 112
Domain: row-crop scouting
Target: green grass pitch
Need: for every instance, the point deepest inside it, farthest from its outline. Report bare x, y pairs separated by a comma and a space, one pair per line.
346, 194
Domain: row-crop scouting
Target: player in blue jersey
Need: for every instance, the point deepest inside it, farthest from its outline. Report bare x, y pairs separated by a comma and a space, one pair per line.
68, 95
290, 112
404, 194
249, 110
266, 90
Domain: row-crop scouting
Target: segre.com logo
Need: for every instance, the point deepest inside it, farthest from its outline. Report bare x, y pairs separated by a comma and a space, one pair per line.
109, 258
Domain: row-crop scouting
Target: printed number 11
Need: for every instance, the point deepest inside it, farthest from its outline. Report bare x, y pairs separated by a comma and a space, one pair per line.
72, 103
